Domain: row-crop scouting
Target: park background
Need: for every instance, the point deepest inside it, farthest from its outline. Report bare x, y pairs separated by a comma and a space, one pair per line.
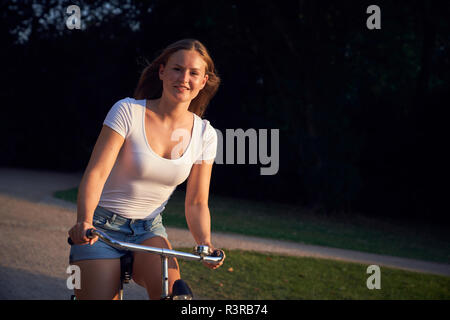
362, 140
359, 110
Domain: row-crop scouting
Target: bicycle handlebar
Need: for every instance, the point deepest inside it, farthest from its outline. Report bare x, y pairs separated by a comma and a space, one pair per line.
91, 233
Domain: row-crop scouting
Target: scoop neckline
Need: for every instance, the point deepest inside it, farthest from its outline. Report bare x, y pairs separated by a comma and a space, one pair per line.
148, 144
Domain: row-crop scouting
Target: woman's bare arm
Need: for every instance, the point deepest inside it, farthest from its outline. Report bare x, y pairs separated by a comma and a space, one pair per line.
102, 160
197, 211
98, 169
196, 203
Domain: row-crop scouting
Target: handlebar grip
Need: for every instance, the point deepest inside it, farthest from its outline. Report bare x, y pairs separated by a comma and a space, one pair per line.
218, 253
88, 234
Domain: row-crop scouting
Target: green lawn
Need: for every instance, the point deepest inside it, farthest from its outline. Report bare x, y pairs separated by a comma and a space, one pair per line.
251, 275
288, 222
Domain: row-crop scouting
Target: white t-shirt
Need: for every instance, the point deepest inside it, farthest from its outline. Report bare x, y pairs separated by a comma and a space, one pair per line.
141, 182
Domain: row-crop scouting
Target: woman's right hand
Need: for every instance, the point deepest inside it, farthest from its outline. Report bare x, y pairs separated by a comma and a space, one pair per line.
78, 233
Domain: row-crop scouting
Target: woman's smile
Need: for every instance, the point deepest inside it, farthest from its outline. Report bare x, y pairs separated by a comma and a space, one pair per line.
181, 88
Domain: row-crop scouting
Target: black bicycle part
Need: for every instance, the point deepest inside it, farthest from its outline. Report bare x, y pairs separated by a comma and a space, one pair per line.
88, 234
181, 291
126, 267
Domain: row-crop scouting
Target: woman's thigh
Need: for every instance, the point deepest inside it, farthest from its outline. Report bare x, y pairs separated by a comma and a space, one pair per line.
147, 268
100, 279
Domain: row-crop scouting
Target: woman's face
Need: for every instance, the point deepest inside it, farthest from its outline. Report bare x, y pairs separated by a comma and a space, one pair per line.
184, 75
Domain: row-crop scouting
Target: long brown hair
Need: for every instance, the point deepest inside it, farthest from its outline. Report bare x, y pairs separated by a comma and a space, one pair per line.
150, 86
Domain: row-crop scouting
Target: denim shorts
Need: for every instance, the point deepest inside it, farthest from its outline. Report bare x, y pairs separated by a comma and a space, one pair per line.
120, 228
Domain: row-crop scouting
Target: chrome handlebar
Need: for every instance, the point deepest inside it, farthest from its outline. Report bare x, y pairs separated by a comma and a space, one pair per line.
202, 253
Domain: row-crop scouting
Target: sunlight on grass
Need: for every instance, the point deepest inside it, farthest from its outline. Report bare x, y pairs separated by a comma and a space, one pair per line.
251, 275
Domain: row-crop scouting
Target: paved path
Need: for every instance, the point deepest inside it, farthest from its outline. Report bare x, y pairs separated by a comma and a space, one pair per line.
33, 233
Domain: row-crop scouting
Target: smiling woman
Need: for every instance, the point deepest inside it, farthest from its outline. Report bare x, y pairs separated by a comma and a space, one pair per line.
136, 165
183, 76
150, 84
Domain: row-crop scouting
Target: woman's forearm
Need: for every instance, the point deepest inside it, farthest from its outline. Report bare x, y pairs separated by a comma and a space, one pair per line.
89, 193
198, 219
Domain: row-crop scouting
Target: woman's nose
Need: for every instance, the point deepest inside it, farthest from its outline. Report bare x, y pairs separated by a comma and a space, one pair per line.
184, 76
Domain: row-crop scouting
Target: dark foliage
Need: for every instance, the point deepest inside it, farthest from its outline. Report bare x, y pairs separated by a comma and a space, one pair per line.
359, 110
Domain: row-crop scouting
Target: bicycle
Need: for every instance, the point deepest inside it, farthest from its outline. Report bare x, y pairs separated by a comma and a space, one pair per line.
180, 289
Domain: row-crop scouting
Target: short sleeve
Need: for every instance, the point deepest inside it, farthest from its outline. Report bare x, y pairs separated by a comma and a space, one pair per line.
209, 143
119, 117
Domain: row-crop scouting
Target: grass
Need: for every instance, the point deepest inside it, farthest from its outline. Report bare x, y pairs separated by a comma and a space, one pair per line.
67, 195
254, 276
288, 222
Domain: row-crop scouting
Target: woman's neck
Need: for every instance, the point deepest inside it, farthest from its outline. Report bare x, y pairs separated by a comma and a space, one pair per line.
169, 113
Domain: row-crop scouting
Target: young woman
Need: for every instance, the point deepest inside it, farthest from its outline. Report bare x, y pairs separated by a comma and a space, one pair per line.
148, 145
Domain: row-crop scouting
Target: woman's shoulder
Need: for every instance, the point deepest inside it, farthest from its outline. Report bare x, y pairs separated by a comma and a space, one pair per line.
131, 103
128, 106
122, 116
207, 130
205, 124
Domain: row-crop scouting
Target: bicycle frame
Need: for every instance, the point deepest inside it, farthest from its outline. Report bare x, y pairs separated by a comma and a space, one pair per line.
202, 255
